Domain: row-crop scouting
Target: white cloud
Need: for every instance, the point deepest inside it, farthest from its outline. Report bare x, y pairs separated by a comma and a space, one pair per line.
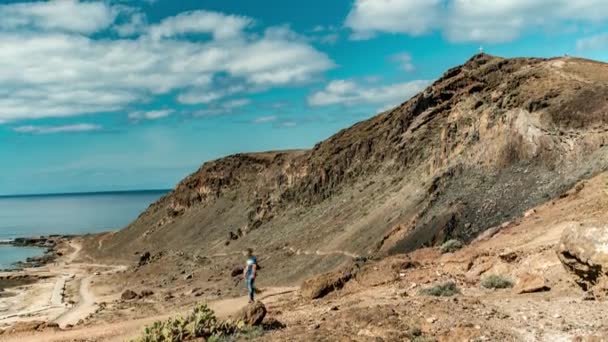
59, 15
221, 26
469, 20
265, 119
56, 69
596, 42
404, 60
415, 17
351, 93
57, 129
150, 115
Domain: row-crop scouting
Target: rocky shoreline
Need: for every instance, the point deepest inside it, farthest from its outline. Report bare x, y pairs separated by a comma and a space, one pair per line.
50, 243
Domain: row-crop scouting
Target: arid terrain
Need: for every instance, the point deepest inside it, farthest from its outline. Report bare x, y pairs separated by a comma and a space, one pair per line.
508, 156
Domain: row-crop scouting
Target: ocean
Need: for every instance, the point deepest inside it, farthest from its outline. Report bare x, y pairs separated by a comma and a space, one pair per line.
36, 215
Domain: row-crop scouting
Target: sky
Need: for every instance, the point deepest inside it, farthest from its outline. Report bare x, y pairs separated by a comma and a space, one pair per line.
124, 94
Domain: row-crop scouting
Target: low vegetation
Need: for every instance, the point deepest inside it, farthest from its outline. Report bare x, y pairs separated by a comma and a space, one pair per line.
496, 282
201, 323
446, 289
451, 246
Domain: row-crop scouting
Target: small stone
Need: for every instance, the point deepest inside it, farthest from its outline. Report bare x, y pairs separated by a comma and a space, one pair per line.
431, 320
557, 316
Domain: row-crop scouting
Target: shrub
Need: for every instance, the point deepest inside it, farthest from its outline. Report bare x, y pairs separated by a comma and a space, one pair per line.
496, 282
451, 246
201, 322
447, 289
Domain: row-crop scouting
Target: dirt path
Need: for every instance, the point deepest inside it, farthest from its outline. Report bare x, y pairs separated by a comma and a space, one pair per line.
85, 306
323, 253
127, 330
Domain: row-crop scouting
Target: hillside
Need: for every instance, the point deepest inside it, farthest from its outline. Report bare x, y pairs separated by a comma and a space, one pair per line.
484, 143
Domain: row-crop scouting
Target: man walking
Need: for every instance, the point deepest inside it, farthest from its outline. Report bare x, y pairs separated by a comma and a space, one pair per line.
249, 272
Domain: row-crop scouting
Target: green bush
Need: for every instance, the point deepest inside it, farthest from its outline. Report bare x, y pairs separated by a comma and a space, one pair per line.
201, 322
496, 282
447, 289
451, 246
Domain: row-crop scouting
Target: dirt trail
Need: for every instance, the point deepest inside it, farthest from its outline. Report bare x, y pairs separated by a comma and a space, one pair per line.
87, 303
323, 253
85, 306
127, 330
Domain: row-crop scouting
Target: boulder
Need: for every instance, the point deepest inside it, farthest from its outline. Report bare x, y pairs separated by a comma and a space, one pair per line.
253, 313
236, 271
128, 295
321, 285
144, 259
583, 250
530, 283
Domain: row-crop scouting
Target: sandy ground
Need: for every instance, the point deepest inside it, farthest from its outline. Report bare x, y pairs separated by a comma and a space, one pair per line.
46, 301
130, 329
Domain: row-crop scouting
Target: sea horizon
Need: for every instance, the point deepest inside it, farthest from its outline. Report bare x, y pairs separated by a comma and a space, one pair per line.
80, 213
84, 193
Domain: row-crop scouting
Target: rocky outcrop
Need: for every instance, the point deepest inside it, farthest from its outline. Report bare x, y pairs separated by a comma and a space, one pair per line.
253, 314
583, 250
321, 285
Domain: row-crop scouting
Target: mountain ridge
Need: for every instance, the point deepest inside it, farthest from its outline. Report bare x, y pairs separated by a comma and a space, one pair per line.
486, 141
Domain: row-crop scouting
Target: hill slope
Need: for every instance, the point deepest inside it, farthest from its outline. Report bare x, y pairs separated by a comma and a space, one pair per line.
484, 143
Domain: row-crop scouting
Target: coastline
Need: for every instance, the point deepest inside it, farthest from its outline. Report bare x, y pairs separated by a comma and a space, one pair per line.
49, 246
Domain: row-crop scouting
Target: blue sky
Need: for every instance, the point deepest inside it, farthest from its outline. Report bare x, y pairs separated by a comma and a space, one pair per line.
124, 94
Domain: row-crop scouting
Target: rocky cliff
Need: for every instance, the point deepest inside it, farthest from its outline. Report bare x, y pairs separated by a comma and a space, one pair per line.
488, 140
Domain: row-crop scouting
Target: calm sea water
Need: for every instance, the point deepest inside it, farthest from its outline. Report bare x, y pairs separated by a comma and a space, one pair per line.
25, 216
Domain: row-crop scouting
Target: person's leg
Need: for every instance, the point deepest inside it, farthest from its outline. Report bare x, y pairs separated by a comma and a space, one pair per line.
250, 288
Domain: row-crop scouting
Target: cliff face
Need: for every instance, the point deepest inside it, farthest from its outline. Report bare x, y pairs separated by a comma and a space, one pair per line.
485, 142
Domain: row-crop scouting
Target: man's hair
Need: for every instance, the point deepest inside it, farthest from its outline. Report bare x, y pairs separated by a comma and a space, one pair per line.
249, 251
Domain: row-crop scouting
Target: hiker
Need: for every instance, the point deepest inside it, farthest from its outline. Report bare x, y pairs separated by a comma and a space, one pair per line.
249, 272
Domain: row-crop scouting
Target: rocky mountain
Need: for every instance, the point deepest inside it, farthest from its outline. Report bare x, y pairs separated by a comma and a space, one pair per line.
487, 141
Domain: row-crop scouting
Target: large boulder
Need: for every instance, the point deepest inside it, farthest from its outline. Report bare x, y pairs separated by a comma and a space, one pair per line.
530, 283
253, 314
583, 250
321, 285
129, 295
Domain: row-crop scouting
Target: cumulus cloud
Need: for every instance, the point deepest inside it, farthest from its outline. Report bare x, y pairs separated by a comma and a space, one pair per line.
219, 25
56, 65
150, 115
415, 17
596, 42
59, 15
469, 20
348, 92
57, 129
